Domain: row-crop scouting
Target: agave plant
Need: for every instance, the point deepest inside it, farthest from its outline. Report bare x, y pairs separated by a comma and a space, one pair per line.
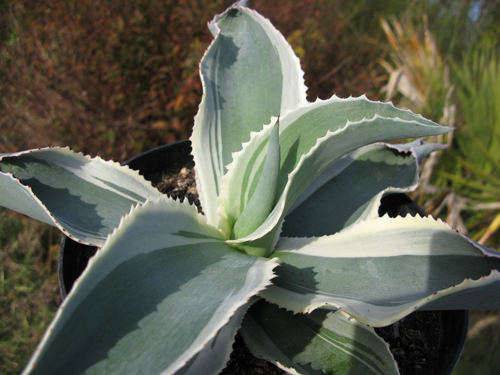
290, 192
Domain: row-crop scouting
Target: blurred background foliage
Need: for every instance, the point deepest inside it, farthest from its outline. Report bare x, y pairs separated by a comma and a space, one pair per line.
117, 78
106, 78
472, 167
445, 65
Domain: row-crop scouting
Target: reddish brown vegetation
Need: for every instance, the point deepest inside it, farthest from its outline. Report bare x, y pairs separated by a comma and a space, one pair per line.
116, 79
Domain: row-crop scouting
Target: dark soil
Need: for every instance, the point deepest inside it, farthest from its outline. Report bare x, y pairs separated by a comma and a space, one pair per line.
415, 342
180, 186
242, 362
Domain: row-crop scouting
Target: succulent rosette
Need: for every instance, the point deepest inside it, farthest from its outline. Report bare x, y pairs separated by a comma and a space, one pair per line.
289, 248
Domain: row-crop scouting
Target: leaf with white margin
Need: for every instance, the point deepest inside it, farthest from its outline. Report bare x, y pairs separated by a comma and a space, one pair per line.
213, 358
325, 151
323, 342
236, 191
264, 196
161, 287
249, 73
381, 270
84, 197
301, 129
342, 193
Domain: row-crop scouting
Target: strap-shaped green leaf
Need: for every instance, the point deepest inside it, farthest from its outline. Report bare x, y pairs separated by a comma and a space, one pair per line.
305, 156
327, 150
342, 193
249, 74
381, 270
263, 198
84, 197
151, 298
323, 342
308, 123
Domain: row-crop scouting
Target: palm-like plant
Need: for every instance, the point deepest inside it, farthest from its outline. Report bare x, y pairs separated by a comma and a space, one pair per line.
476, 148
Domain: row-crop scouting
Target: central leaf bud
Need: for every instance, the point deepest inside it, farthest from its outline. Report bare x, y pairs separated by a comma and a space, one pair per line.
262, 201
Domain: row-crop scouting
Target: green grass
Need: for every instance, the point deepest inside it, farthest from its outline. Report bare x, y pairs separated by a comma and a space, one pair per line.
481, 350
29, 293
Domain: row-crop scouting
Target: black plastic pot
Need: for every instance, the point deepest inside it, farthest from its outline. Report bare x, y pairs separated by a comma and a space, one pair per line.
73, 256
